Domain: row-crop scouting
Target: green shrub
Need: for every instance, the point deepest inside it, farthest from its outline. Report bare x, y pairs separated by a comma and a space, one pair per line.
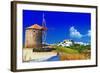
65, 50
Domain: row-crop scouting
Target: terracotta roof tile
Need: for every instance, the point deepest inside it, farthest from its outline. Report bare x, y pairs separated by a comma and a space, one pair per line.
36, 26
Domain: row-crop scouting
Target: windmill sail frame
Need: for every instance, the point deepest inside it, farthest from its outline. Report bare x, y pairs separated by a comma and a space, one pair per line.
44, 32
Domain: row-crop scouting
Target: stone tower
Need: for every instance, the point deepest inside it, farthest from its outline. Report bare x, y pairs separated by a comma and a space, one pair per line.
33, 36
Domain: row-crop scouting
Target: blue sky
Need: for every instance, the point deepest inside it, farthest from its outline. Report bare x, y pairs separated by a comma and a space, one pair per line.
61, 25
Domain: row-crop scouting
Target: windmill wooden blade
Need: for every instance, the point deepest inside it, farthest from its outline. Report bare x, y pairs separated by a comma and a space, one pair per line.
44, 32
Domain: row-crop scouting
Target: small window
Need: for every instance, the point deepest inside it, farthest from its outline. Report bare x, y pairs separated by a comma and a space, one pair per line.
33, 30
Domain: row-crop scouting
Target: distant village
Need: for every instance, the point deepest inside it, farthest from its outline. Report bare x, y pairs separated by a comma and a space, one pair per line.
70, 43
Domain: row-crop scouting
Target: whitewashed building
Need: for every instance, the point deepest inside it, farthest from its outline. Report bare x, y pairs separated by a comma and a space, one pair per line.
66, 43
82, 43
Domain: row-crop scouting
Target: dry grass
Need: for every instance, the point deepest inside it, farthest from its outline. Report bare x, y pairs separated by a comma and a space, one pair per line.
79, 56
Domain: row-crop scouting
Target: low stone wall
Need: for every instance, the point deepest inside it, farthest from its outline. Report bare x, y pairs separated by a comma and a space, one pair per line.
29, 55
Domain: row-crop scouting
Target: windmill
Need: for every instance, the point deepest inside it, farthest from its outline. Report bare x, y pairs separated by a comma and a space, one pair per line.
44, 32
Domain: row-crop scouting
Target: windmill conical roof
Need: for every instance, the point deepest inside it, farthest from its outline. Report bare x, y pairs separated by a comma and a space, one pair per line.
36, 26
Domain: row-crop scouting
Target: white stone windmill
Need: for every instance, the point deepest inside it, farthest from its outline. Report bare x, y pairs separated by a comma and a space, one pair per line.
35, 35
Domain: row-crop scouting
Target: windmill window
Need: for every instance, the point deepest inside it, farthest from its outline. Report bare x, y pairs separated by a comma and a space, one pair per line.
33, 30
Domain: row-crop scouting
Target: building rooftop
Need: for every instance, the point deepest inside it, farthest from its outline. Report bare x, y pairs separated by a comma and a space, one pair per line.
36, 26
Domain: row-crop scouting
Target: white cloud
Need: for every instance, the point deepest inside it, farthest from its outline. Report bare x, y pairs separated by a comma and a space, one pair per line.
75, 33
89, 33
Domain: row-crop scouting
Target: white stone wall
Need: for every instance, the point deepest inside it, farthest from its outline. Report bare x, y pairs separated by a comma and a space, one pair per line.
33, 38
29, 55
